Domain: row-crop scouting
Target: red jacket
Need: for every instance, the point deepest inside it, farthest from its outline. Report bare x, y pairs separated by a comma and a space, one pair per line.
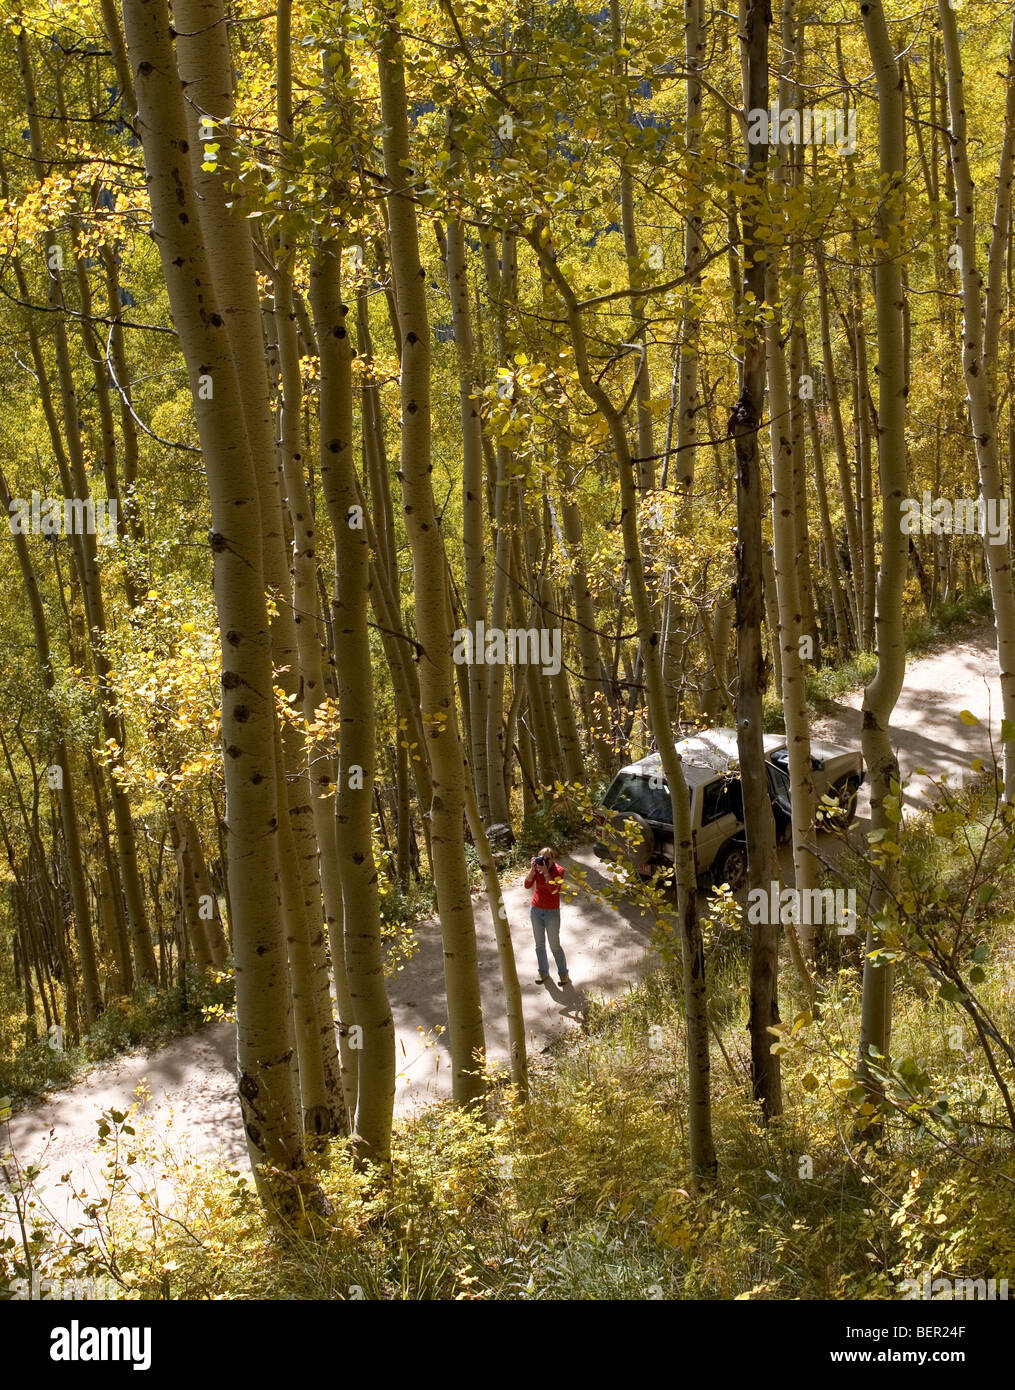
546, 886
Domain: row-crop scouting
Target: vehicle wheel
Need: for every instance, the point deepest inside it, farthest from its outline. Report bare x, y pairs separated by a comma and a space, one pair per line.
730, 866
846, 793
630, 839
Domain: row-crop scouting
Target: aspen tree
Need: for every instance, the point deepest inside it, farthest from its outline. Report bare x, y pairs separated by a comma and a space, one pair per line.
473, 546
702, 1150
863, 429
592, 667
311, 643
385, 589
505, 948
786, 424
437, 691
501, 284
191, 934
882, 693
364, 960
849, 508
312, 686
201, 888
982, 307
743, 427
128, 424
205, 67
267, 1079
642, 380
833, 567
688, 402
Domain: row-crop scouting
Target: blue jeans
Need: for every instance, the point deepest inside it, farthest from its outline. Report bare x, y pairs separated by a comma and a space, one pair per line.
546, 923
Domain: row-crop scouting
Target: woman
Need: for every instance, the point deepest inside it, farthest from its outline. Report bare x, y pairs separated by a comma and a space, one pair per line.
544, 878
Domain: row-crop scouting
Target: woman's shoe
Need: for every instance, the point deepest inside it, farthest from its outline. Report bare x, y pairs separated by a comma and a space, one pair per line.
564, 980
541, 979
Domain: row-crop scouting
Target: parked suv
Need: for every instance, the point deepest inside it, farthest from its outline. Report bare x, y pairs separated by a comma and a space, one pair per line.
635, 825
838, 774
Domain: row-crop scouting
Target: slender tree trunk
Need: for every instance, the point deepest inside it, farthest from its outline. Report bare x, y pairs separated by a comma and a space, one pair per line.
881, 695
981, 325
786, 417
364, 959
437, 691
841, 452
702, 1150
267, 1077
763, 866
645, 458
505, 947
688, 400
833, 567
473, 547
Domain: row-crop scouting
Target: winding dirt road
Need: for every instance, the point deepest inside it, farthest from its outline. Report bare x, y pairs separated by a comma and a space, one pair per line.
192, 1108
926, 728
191, 1105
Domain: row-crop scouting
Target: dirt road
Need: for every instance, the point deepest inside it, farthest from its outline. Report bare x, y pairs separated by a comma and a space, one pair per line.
193, 1105
191, 1083
926, 728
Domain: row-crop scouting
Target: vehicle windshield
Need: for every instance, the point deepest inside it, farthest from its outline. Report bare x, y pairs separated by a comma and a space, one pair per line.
630, 793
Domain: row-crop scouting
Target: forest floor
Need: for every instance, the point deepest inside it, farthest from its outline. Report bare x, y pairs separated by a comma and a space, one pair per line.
190, 1105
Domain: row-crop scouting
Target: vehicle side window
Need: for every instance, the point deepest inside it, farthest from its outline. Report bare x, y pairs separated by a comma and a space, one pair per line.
716, 802
722, 798
778, 781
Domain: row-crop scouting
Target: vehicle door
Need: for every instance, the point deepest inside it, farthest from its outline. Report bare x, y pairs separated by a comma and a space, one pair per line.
722, 812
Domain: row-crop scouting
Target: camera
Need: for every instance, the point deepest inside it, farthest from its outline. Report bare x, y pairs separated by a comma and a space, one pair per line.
540, 863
